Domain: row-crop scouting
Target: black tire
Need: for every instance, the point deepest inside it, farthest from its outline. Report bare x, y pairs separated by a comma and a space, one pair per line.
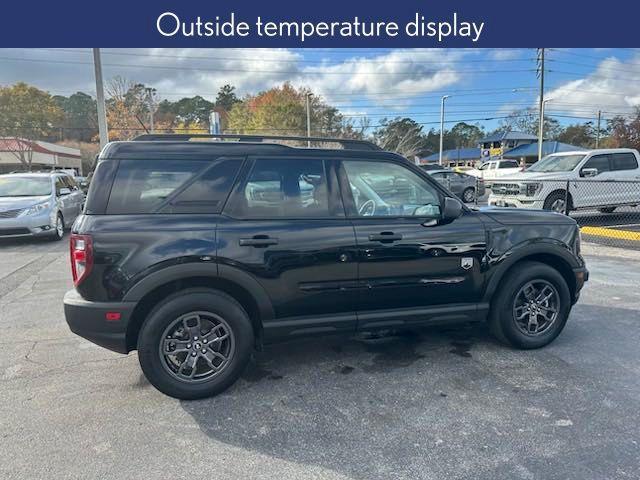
151, 338
469, 192
502, 323
58, 234
607, 209
555, 200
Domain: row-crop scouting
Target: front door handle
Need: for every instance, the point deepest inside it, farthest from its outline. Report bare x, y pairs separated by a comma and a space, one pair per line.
385, 237
258, 241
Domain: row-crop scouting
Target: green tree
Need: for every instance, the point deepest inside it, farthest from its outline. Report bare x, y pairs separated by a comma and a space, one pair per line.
625, 132
580, 134
80, 116
402, 135
28, 113
463, 135
226, 97
282, 111
527, 121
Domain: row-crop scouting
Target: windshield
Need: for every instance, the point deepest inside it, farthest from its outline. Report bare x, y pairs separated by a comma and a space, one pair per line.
556, 163
24, 186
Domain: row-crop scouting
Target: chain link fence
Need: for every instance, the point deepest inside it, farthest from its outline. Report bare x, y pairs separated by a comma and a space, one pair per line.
608, 211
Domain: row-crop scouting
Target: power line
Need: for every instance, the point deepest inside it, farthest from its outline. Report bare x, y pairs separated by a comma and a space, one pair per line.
290, 60
239, 70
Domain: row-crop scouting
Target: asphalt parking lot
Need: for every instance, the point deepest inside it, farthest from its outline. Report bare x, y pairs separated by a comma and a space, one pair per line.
434, 404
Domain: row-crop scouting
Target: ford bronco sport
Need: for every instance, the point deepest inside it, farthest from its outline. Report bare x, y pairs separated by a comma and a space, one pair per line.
194, 253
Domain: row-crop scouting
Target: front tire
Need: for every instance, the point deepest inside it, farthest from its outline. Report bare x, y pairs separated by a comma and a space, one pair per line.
556, 203
531, 307
195, 344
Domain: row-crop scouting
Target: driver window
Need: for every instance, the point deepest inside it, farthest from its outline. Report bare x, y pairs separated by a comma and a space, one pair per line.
389, 189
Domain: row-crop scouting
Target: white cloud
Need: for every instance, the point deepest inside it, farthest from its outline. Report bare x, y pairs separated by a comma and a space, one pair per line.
613, 87
408, 73
506, 54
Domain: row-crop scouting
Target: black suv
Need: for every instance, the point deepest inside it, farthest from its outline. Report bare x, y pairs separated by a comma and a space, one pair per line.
196, 252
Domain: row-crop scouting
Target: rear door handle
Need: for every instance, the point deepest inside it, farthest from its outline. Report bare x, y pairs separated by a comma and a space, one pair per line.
385, 237
258, 241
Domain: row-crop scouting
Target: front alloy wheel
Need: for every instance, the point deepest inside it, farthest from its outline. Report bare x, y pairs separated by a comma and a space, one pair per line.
197, 346
535, 307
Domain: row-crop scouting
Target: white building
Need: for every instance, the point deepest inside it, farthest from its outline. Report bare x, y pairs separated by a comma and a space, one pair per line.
42, 155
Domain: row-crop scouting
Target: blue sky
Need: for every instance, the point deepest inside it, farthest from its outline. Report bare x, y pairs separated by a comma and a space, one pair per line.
373, 83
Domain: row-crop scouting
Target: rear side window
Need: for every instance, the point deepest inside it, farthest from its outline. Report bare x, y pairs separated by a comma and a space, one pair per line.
283, 188
171, 186
624, 161
508, 164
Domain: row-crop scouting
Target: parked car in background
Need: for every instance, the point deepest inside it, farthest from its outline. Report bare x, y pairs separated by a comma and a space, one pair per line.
38, 204
431, 166
462, 185
603, 179
493, 169
194, 253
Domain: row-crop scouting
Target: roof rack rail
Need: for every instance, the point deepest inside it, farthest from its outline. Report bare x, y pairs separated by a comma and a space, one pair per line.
347, 144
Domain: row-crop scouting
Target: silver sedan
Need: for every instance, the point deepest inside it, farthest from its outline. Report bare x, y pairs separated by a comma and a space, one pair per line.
462, 185
38, 204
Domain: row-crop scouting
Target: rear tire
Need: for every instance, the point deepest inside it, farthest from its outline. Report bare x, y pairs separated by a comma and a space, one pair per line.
469, 195
607, 209
171, 338
512, 301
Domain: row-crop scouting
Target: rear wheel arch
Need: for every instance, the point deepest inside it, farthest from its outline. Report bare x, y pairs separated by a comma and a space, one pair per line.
252, 304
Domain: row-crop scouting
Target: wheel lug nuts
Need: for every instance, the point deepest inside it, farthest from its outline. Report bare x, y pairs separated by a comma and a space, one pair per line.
188, 345
195, 338
204, 351
205, 341
194, 354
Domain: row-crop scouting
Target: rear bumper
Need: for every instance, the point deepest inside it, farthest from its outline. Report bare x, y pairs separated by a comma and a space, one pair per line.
89, 320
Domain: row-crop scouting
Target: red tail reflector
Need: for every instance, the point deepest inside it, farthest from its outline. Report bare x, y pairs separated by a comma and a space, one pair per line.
81, 249
112, 316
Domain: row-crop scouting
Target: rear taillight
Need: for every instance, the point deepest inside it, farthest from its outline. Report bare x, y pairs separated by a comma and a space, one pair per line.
81, 257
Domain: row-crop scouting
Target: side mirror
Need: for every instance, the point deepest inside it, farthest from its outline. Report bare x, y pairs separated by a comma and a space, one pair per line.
451, 209
588, 172
64, 191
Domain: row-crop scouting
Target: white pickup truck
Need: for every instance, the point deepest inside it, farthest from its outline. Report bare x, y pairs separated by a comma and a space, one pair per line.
494, 169
604, 179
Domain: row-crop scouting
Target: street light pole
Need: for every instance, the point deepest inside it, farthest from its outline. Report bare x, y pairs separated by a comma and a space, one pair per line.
309, 118
442, 128
541, 120
151, 103
102, 111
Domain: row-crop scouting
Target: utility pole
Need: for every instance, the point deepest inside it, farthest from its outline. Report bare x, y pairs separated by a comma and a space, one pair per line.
540, 71
150, 102
598, 129
102, 111
308, 98
442, 128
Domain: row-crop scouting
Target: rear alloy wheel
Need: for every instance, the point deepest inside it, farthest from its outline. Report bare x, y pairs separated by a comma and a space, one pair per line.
469, 195
531, 307
195, 344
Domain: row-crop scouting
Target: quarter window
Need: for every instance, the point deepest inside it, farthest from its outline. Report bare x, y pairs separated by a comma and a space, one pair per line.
388, 189
170, 186
283, 188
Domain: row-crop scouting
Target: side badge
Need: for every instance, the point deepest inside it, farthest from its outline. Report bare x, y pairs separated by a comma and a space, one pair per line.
467, 262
